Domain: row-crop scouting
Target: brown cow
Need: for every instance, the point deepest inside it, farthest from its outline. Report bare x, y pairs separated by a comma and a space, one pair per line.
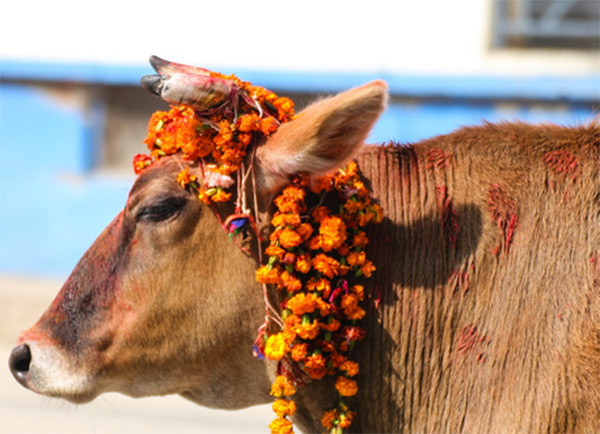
488, 276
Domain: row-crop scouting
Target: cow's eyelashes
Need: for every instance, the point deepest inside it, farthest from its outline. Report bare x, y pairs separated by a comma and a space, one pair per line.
161, 210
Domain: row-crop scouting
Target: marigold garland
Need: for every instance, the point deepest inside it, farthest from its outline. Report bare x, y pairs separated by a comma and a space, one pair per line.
316, 258
316, 255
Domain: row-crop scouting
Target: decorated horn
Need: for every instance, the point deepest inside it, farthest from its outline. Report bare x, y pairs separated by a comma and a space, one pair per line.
189, 85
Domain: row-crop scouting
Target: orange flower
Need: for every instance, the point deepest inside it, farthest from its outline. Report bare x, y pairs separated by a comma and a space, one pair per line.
350, 306
322, 285
307, 331
281, 426
356, 258
268, 275
352, 206
276, 347
346, 419
302, 303
302, 264
326, 265
359, 290
140, 162
220, 196
350, 367
367, 269
281, 219
268, 125
346, 386
249, 122
305, 231
284, 407
329, 418
315, 243
378, 218
204, 197
184, 177
316, 366
274, 251
332, 326
333, 231
320, 184
282, 386
360, 240
289, 239
291, 283
299, 352
319, 213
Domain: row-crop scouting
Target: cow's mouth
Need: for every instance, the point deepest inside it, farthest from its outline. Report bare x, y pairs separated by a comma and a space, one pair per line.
45, 374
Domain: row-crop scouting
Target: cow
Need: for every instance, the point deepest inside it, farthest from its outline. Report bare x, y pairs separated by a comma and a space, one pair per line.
484, 314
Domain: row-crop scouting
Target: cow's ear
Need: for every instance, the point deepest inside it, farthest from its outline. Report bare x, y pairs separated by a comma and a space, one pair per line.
323, 137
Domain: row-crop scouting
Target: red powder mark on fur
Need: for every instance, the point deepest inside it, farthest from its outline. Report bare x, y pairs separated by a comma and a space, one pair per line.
504, 214
448, 215
437, 159
595, 263
469, 339
563, 163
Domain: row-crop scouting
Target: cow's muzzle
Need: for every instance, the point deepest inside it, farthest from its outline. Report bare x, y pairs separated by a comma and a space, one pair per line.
19, 361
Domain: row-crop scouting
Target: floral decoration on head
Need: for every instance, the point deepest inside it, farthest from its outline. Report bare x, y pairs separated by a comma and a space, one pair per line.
316, 253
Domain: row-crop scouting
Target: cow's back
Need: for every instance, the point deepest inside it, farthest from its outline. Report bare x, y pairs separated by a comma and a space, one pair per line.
489, 281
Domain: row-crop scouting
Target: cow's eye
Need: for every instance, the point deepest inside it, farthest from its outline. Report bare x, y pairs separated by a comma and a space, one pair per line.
162, 210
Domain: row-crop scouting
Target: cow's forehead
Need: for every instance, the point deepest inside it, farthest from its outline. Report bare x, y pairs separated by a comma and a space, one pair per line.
161, 176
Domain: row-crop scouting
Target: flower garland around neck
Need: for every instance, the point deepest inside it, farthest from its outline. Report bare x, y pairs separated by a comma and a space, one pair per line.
316, 255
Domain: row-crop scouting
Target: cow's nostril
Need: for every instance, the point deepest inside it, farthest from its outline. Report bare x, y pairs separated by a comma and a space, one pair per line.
19, 361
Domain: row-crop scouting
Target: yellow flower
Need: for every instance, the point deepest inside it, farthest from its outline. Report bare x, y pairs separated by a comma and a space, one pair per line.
284, 407
346, 386
281, 426
282, 386
276, 347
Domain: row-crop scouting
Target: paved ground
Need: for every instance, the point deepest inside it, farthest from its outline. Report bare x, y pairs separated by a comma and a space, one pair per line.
21, 302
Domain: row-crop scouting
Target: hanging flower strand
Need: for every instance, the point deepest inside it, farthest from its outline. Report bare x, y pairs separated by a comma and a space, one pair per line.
317, 259
316, 253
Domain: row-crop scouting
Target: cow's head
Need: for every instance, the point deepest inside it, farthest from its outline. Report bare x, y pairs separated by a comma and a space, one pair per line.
163, 302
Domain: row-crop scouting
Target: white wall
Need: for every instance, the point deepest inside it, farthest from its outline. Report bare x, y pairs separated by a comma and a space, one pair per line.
415, 36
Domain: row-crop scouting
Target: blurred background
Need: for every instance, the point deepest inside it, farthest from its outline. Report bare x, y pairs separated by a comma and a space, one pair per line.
72, 116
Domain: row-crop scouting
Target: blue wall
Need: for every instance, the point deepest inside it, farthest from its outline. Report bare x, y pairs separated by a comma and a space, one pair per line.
53, 204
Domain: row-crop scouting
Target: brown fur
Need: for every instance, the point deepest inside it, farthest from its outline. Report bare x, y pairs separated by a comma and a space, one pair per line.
485, 310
